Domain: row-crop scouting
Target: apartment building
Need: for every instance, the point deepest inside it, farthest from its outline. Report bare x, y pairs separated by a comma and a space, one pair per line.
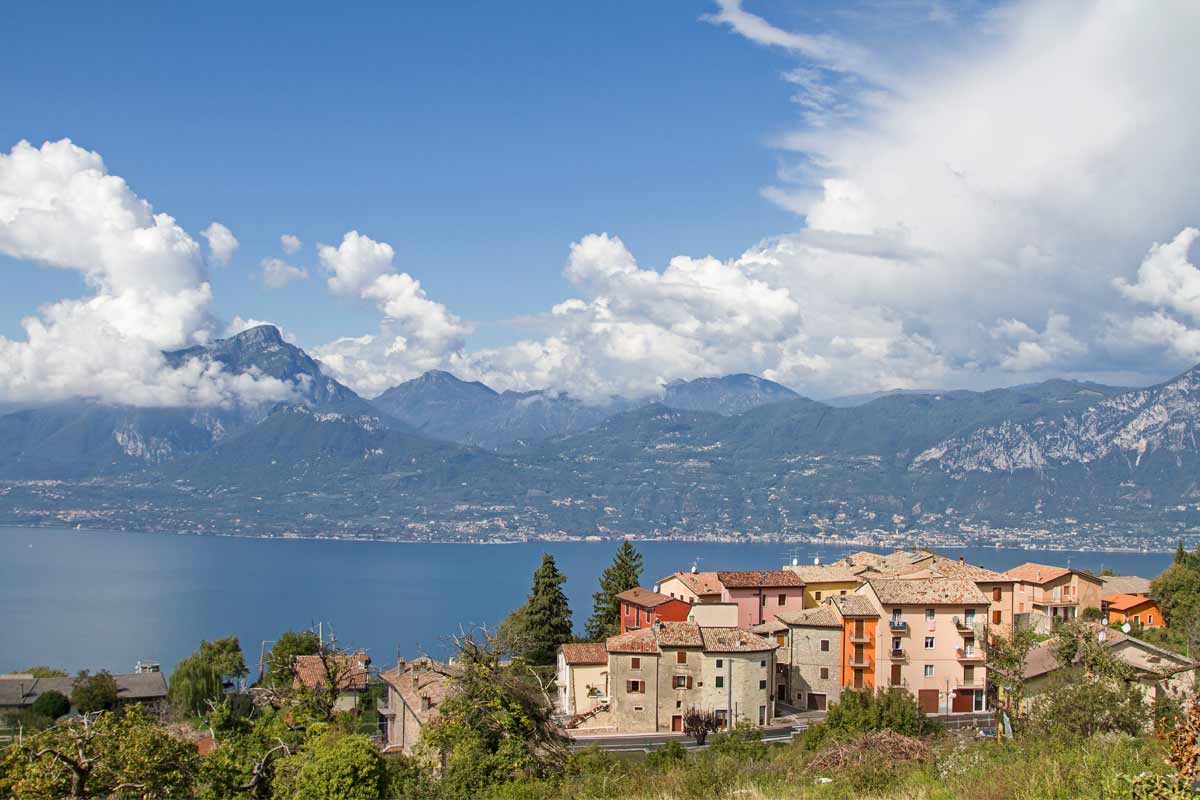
758, 594
822, 582
859, 635
1048, 594
641, 608
934, 629
656, 674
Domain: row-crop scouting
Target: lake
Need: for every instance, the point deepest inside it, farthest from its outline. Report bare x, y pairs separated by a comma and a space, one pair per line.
92, 600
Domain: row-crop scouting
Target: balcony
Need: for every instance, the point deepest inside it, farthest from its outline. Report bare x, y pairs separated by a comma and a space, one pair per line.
860, 638
898, 625
969, 654
974, 683
966, 625
898, 654
860, 661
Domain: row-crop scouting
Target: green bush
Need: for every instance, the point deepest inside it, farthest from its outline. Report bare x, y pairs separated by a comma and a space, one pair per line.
667, 756
743, 742
888, 709
51, 704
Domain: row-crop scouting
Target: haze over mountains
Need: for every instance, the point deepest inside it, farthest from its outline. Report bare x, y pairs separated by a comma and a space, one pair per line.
437, 457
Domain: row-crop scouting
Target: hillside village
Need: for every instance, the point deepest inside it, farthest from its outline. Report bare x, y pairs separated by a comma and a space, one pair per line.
777, 652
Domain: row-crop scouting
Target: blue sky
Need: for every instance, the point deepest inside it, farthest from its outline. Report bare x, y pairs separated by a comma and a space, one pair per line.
601, 198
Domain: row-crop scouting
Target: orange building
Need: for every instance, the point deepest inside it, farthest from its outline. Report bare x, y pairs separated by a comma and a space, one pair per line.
641, 608
860, 621
1136, 609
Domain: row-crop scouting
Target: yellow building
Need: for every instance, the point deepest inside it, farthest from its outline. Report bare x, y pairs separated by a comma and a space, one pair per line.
823, 582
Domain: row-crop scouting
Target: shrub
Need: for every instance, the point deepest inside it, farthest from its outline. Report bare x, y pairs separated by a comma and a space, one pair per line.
744, 742
342, 767
888, 709
667, 756
1091, 614
51, 704
94, 692
1086, 708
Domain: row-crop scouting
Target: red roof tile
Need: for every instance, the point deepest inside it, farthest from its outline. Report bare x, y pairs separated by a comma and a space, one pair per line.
1126, 602
350, 669
579, 653
644, 597
760, 578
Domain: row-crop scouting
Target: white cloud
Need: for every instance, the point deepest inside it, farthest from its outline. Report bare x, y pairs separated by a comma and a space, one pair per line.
1166, 278
60, 207
290, 244
277, 273
221, 242
1032, 351
416, 333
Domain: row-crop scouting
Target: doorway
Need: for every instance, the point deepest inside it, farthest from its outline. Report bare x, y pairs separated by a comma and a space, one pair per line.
927, 699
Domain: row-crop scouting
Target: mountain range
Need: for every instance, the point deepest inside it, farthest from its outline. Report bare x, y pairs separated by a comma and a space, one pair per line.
441, 458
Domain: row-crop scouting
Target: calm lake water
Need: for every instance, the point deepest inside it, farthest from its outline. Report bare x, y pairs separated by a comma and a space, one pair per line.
93, 600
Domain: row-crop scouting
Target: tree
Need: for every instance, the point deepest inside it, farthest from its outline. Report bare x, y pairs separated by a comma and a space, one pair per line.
698, 724
535, 630
885, 709
94, 692
1180, 553
194, 684
224, 656
622, 575
281, 663
45, 672
1006, 668
337, 766
51, 705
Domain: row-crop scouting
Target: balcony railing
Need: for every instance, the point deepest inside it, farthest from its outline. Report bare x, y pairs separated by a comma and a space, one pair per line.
972, 654
860, 638
898, 654
860, 661
898, 625
966, 625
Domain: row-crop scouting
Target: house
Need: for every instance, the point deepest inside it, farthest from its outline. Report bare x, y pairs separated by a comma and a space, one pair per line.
692, 587
1125, 584
582, 677
1136, 609
822, 582
1050, 594
761, 594
641, 608
809, 657
1157, 670
415, 692
859, 626
348, 670
934, 629
917, 564
147, 686
656, 674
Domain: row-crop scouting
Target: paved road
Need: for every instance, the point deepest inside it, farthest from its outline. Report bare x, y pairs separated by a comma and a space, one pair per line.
632, 742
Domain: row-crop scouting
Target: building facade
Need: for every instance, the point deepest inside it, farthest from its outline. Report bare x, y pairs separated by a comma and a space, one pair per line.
641, 608
823, 582
1051, 594
415, 691
810, 656
582, 677
1136, 609
761, 594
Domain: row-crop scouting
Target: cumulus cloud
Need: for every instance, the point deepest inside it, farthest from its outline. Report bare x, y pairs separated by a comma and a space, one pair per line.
416, 333
290, 244
277, 273
60, 207
221, 243
1166, 278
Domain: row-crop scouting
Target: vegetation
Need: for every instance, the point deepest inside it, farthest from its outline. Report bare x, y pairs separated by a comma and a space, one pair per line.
624, 574
1006, 669
94, 692
51, 705
535, 630
699, 724
44, 672
281, 670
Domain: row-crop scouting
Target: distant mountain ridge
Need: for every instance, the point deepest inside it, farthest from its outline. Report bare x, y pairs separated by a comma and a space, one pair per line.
438, 457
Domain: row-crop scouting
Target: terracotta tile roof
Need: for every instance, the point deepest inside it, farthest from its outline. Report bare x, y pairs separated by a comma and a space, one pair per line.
769, 628
734, 640
820, 617
1032, 572
423, 684
702, 583
933, 591
762, 578
853, 605
1126, 602
644, 597
585, 653
1126, 584
351, 668
1041, 659
822, 574
639, 641
678, 634
919, 563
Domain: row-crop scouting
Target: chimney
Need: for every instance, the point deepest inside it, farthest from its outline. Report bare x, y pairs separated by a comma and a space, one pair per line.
416, 678
962, 559
400, 664
695, 569
425, 702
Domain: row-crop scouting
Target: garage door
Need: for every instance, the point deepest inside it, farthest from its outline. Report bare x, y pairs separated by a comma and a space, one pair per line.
964, 700
816, 702
928, 700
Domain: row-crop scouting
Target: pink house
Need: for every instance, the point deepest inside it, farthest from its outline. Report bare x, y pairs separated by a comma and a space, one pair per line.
761, 594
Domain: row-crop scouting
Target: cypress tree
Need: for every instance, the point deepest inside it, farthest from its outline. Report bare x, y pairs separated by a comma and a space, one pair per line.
623, 575
1180, 553
544, 622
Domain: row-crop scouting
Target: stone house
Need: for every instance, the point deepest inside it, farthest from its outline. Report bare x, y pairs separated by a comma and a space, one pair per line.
349, 670
808, 658
582, 677
931, 639
415, 692
641, 608
656, 674
146, 686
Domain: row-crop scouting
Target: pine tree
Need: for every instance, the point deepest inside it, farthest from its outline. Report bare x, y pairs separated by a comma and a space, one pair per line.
623, 575
535, 630
1180, 553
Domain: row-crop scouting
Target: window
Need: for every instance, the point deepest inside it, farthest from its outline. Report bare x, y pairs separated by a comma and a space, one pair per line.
1137, 618
681, 657
762, 684
635, 663
679, 704
638, 615
763, 599
763, 663
968, 675
997, 594
720, 681
930, 617
842, 592
781, 639
1149, 619
783, 599
682, 681
723, 716
929, 644
969, 617
639, 708
824, 645
996, 617
895, 643
720, 663
929, 670
635, 687
824, 673
816, 595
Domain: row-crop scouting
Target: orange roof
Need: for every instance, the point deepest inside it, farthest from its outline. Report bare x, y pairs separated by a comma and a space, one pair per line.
639, 641
585, 653
644, 597
350, 669
759, 578
1031, 572
1126, 602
